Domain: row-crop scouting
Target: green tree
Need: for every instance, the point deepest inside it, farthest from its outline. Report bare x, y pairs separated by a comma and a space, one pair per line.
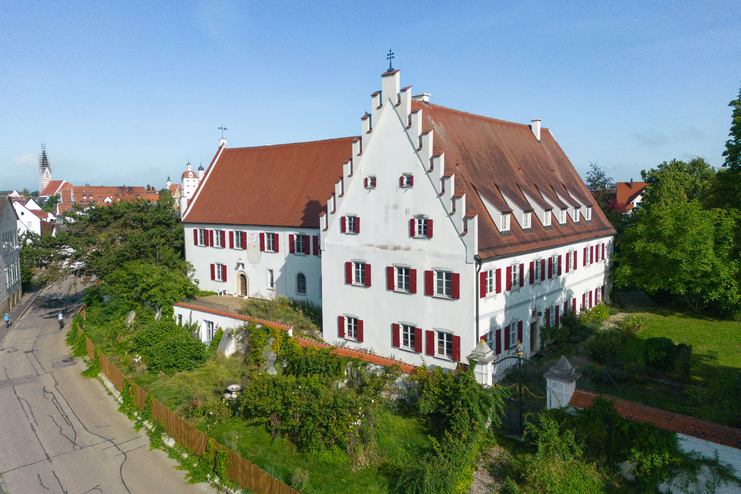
677, 182
726, 192
49, 204
600, 185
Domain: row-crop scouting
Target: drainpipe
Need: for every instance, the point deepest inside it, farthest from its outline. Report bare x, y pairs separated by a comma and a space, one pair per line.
477, 283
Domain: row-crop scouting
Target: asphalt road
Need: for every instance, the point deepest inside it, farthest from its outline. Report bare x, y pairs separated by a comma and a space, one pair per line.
61, 433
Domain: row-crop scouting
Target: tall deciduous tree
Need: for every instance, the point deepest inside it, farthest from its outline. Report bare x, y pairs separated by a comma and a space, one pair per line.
726, 192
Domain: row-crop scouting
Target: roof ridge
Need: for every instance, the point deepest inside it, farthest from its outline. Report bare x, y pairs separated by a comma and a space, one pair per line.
294, 143
477, 115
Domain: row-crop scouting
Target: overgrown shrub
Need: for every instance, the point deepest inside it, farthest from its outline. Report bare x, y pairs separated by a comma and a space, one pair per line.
178, 352
663, 355
633, 323
305, 317
605, 346
595, 316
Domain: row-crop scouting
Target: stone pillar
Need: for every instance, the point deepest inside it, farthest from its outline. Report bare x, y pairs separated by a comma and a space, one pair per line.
483, 356
560, 384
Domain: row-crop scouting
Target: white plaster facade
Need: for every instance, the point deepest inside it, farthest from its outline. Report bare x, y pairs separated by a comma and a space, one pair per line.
10, 280
27, 221
210, 320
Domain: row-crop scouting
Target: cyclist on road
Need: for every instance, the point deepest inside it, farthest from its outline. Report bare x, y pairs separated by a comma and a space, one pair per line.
61, 320
7, 319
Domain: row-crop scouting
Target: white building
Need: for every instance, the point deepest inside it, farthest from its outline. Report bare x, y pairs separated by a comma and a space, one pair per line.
10, 282
443, 228
28, 219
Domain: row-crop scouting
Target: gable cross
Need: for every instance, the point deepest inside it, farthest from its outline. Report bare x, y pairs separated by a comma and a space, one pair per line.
222, 129
390, 57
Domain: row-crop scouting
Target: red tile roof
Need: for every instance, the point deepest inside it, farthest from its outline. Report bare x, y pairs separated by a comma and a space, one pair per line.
234, 315
54, 187
491, 157
283, 185
358, 354
627, 192
96, 195
663, 419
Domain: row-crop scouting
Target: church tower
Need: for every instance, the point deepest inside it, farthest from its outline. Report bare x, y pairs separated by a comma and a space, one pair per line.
44, 169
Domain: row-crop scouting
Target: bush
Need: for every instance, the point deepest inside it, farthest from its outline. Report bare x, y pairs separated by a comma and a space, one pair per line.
663, 355
605, 346
595, 316
178, 352
633, 323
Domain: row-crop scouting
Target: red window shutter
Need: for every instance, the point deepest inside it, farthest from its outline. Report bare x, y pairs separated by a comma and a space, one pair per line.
340, 326
456, 348
262, 242
556, 308
509, 278
195, 236
548, 316
565, 308
223, 272
430, 343
231, 239
522, 274
291, 246
316, 244
499, 280
366, 182
411, 180
244, 240
482, 284
590, 299
307, 244
343, 224
584, 300
401, 181
568, 261
276, 242
455, 279
585, 257
602, 293
395, 336
213, 271
573, 305
206, 238
357, 224
360, 331
429, 283
591, 254
542, 269
519, 331
348, 273
498, 343
413, 282
211, 238
576, 264
367, 275
603, 251
390, 285
223, 238
418, 340
559, 265
532, 272
506, 337
411, 227
550, 268
429, 228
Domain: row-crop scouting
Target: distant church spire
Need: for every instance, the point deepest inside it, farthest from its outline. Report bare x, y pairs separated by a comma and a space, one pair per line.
45, 175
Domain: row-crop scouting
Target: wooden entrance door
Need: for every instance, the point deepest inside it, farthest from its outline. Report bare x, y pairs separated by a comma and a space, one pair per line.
244, 285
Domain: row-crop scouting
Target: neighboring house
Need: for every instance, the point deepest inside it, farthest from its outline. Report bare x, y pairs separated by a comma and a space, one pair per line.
177, 193
28, 220
252, 227
190, 181
630, 195
10, 282
441, 228
53, 188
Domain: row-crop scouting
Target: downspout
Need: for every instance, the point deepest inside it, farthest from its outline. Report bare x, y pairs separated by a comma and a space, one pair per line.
477, 282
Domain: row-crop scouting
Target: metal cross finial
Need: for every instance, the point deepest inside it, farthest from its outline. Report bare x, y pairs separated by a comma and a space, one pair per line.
390, 57
222, 129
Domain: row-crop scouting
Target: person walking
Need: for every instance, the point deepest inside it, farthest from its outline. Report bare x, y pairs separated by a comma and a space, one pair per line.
61, 320
7, 319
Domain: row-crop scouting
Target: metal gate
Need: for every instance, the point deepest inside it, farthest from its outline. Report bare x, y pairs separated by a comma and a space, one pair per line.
527, 396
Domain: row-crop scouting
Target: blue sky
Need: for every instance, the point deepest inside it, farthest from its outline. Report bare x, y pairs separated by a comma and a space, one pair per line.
127, 92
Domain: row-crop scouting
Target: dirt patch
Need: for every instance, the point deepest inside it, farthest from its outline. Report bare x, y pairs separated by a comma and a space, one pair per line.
486, 477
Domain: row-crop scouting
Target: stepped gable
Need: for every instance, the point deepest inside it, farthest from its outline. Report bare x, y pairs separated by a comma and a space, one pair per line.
490, 157
281, 185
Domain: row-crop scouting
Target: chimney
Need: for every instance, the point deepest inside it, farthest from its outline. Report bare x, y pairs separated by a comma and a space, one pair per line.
535, 127
631, 183
423, 97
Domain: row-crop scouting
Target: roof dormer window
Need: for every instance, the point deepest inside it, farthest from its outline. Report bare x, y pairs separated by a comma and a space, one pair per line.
562, 219
588, 214
526, 220
546, 218
505, 222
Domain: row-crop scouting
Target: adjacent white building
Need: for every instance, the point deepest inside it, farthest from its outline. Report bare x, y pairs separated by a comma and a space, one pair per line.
438, 228
10, 282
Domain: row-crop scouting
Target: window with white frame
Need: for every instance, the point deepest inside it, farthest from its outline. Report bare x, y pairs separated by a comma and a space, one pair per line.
526, 220
505, 222
238, 240
546, 218
588, 214
421, 227
402, 279
351, 329
444, 284
536, 265
489, 282
219, 272
491, 339
513, 335
358, 273
576, 216
562, 219
406, 180
352, 224
515, 268
300, 244
270, 242
554, 266
408, 336
217, 238
370, 182
271, 280
301, 284
202, 236
552, 315
209, 330
444, 345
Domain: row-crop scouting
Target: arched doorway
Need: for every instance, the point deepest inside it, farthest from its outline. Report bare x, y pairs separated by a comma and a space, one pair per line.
244, 285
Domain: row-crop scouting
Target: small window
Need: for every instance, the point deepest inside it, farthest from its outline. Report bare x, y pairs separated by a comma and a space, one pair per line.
489, 283
444, 345
219, 272
217, 238
408, 337
353, 224
588, 214
301, 284
505, 222
444, 284
576, 216
271, 280
270, 242
515, 276
406, 181
238, 240
352, 328
209, 330
537, 265
370, 182
300, 244
526, 220
359, 273
562, 220
420, 227
402, 279
513, 335
554, 266
201, 236
547, 218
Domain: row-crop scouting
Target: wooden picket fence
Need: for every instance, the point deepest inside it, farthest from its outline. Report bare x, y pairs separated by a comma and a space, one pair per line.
247, 475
